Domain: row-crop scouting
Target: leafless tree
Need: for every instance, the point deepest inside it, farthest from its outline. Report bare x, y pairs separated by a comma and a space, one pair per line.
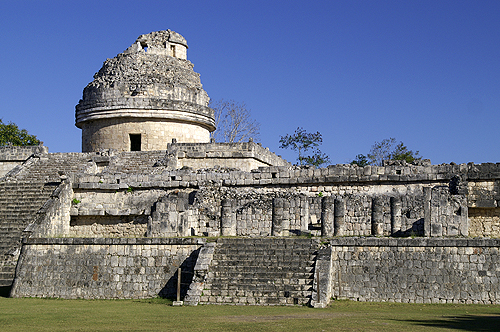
233, 122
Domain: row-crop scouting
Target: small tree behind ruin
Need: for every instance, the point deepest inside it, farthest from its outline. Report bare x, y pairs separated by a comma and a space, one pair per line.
233, 122
10, 134
306, 145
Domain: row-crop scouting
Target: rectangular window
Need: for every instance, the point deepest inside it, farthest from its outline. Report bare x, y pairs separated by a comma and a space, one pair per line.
172, 48
135, 142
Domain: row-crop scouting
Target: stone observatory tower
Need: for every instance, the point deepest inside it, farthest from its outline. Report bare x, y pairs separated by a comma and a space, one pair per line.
144, 97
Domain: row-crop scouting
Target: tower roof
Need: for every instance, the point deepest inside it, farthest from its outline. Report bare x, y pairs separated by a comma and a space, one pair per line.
151, 79
159, 38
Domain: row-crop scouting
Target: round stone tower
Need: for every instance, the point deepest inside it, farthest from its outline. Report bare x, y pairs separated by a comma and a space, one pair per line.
144, 97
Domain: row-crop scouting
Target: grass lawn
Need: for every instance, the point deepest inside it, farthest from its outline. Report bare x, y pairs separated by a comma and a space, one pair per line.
31, 314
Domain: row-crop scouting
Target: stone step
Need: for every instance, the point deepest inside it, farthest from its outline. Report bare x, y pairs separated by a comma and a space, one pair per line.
261, 269
6, 282
263, 289
236, 300
7, 275
272, 242
270, 282
270, 271
11, 228
246, 251
261, 275
264, 258
7, 268
248, 291
258, 263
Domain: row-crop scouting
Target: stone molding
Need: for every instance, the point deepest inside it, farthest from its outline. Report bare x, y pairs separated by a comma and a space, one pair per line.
113, 241
292, 175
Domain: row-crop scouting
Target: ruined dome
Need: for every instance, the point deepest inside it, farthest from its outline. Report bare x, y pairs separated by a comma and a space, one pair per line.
151, 90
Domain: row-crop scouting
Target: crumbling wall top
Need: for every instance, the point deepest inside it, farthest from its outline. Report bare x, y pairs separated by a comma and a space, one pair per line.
150, 79
159, 38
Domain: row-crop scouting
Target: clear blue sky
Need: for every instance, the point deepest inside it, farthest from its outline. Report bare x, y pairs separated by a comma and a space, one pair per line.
424, 72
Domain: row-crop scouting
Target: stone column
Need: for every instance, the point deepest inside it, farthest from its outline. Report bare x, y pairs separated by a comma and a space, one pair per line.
327, 218
377, 216
228, 218
395, 215
183, 228
277, 226
322, 282
285, 219
427, 211
339, 216
438, 203
304, 214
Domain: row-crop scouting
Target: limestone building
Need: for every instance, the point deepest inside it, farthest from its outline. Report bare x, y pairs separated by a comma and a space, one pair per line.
144, 97
244, 225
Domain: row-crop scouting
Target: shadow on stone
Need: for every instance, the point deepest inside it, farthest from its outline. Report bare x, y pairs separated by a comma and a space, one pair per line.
5, 291
169, 291
417, 229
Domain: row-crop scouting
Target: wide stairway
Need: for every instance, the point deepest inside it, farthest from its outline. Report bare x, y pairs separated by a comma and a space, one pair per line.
19, 202
264, 271
21, 196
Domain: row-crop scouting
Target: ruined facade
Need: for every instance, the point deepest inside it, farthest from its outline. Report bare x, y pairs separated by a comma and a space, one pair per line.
144, 97
244, 225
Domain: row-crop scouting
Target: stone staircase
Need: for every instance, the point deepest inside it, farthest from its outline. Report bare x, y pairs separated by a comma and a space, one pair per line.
134, 162
264, 271
45, 169
19, 202
21, 195
25, 189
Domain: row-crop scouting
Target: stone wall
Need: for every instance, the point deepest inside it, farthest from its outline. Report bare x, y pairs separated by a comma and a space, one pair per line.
149, 90
484, 222
416, 270
218, 201
154, 134
246, 156
53, 218
420, 270
120, 213
104, 268
12, 156
484, 194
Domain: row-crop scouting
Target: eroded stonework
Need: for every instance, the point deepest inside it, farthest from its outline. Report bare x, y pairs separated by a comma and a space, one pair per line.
243, 225
147, 93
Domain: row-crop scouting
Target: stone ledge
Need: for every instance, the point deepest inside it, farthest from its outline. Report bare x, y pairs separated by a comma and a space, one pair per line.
416, 242
114, 241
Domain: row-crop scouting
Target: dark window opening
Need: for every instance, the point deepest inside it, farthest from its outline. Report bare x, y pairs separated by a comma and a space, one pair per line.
135, 142
144, 47
172, 48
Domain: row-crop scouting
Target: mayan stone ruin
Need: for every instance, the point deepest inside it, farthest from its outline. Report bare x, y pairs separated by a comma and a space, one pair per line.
151, 193
144, 97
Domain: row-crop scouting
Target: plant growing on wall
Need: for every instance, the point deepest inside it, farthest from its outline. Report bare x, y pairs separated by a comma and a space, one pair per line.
306, 145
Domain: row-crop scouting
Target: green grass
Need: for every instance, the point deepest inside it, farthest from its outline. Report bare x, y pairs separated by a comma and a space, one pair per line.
31, 314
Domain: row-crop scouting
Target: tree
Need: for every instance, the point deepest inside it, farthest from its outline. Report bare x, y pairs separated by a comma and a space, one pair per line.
302, 142
10, 134
361, 160
387, 149
233, 122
